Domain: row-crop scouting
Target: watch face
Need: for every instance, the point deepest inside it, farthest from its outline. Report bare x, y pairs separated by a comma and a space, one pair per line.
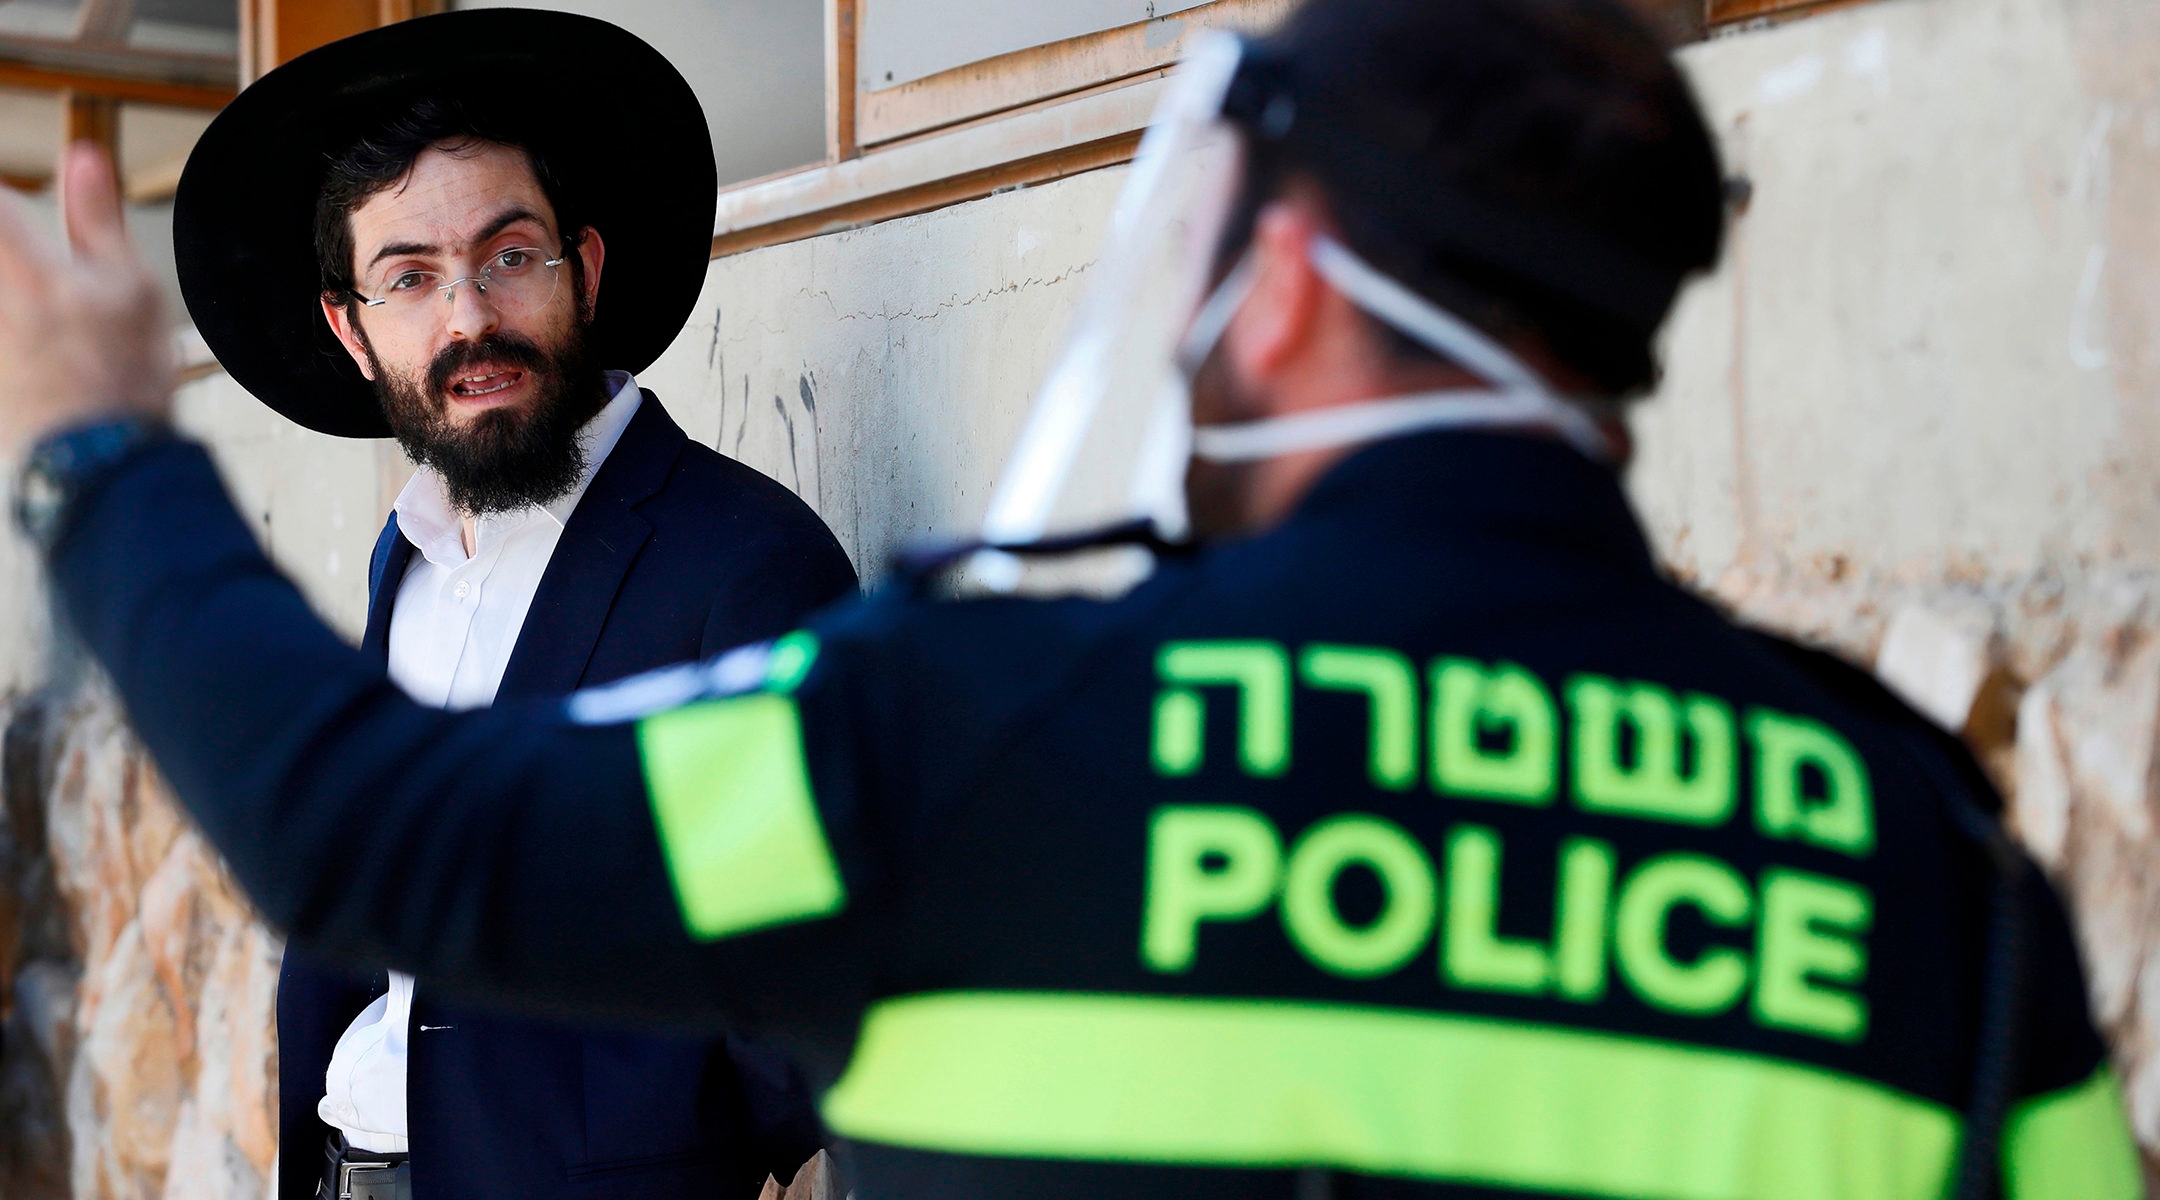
62, 467
38, 499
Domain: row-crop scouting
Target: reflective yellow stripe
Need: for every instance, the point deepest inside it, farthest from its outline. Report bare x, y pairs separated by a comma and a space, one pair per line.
731, 798
1384, 1091
2072, 1145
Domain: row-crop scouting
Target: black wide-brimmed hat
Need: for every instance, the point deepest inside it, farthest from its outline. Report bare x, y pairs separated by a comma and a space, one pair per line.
618, 124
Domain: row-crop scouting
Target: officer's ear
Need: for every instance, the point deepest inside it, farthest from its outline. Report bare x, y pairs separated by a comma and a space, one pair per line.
1284, 321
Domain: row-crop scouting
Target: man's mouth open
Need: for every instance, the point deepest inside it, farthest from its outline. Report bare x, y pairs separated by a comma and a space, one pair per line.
486, 388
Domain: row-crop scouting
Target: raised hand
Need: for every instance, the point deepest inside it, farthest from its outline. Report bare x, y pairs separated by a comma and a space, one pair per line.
81, 334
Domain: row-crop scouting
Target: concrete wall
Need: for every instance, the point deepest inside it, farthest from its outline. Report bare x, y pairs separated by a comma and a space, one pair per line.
1914, 416
1934, 346
1935, 343
883, 373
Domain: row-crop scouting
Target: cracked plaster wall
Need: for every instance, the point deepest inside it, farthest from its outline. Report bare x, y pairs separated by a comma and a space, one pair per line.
1914, 416
883, 373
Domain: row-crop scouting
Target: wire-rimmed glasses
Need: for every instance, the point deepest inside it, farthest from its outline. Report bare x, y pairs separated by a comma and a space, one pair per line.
519, 282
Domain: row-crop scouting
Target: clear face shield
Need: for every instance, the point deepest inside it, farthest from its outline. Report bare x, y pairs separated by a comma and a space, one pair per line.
1110, 435
1107, 439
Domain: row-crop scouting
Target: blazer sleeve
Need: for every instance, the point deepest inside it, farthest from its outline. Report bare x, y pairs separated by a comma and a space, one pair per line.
464, 848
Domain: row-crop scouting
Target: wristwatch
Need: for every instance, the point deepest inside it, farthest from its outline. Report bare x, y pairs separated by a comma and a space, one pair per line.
65, 467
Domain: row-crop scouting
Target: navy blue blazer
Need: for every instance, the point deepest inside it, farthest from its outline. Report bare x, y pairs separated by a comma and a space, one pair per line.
675, 552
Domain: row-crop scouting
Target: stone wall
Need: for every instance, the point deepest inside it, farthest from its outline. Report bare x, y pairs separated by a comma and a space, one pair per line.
138, 1056
1915, 416
141, 987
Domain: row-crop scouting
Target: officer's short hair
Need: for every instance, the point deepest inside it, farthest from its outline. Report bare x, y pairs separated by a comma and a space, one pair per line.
1442, 129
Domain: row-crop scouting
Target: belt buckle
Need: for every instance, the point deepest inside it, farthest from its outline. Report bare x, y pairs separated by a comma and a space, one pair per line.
345, 1176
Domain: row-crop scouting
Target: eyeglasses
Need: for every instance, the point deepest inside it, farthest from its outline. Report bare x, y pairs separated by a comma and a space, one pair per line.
519, 282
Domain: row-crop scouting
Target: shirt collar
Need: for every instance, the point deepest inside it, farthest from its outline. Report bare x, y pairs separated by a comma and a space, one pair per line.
427, 520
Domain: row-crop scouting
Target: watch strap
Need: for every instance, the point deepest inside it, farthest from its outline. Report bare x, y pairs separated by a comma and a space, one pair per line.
69, 466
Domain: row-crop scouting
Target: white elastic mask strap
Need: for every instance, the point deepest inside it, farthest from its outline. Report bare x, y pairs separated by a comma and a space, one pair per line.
1413, 315
1209, 324
1519, 395
1394, 416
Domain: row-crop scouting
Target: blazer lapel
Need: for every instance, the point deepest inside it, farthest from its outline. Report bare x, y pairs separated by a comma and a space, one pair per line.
598, 546
386, 569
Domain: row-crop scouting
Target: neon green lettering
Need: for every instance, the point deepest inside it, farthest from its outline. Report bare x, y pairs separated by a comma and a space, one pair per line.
1183, 889
1470, 699
1843, 818
1180, 727
1713, 982
1584, 907
1475, 955
1308, 902
1390, 684
1809, 937
1261, 673
1653, 785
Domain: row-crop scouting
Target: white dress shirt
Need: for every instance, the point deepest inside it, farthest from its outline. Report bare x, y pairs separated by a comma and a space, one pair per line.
456, 620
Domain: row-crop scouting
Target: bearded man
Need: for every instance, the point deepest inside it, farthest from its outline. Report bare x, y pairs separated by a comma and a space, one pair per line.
406, 233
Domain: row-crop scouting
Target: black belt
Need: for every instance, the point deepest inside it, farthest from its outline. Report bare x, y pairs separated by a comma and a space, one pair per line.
350, 1173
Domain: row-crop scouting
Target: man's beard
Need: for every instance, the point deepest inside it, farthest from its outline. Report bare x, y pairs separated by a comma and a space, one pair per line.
504, 458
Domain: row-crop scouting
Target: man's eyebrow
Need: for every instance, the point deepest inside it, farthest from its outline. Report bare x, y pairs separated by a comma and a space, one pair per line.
397, 248
503, 220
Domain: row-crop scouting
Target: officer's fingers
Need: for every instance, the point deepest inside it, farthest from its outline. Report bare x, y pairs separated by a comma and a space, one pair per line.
26, 254
90, 203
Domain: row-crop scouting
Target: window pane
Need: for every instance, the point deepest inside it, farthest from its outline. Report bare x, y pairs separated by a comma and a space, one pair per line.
905, 40
758, 67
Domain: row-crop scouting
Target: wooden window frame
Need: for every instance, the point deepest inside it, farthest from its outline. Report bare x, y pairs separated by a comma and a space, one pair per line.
1031, 76
117, 72
1032, 116
93, 71
1021, 118
1729, 15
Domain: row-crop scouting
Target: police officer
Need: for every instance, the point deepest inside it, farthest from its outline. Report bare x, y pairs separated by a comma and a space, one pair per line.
1411, 836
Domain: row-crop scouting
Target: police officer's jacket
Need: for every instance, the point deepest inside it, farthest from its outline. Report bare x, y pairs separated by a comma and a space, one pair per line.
1430, 843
